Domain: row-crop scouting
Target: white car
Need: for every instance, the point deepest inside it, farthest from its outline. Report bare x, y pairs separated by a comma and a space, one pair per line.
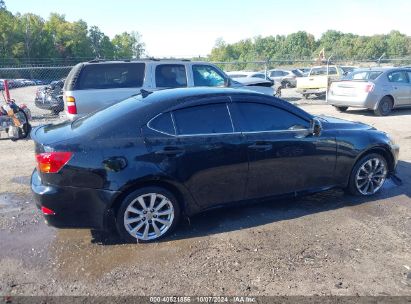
287, 79
244, 74
93, 85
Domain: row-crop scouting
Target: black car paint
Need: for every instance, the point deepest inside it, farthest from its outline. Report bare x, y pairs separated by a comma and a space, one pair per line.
114, 152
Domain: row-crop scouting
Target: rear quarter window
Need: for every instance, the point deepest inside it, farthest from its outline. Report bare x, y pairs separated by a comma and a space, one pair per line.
111, 76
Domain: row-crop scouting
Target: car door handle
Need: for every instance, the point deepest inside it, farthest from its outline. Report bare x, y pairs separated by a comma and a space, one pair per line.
260, 146
170, 151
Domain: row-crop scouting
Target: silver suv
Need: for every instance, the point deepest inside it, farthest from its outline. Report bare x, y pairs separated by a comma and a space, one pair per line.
97, 84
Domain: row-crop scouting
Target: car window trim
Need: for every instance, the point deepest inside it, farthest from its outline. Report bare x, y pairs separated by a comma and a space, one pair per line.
235, 104
223, 133
204, 134
162, 132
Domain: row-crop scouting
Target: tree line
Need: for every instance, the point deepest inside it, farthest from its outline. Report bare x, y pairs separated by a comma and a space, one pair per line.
28, 38
302, 45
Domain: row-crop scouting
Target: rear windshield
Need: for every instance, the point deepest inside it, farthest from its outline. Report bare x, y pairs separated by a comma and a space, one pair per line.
363, 75
111, 76
110, 120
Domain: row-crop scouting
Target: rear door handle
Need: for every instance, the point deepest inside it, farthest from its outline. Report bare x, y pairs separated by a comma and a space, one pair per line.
170, 151
260, 146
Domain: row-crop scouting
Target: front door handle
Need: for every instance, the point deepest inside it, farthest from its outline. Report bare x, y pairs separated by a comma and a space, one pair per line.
170, 151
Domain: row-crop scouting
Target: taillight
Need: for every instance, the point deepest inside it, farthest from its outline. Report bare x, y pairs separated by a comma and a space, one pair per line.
52, 162
47, 211
369, 87
71, 105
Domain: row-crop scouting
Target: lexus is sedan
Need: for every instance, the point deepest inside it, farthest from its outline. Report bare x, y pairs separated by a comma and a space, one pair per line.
147, 161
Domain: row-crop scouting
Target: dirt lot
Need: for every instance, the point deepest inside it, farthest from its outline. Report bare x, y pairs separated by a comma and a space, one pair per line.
328, 243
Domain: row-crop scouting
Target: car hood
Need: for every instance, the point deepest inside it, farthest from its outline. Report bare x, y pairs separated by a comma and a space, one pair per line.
329, 122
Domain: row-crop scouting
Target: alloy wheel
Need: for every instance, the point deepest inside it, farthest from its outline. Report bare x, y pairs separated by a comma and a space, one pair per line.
149, 216
371, 176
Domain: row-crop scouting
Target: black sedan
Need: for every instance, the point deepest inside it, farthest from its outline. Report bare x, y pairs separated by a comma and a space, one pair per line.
145, 162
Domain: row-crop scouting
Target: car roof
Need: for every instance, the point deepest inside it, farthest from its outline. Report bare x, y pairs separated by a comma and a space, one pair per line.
100, 61
381, 69
166, 100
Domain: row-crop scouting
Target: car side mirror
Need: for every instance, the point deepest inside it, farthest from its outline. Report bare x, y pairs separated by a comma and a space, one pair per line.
316, 127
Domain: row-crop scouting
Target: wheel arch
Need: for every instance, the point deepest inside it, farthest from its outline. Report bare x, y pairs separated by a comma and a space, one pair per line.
383, 151
387, 95
182, 196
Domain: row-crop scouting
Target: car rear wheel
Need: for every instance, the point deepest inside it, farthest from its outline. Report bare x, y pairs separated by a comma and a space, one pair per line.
384, 107
368, 175
341, 109
147, 214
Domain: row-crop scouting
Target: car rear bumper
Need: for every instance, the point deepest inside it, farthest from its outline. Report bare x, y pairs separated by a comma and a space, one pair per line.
369, 102
312, 91
73, 207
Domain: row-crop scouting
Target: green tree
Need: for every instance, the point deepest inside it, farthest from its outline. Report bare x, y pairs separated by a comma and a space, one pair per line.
2, 5
128, 45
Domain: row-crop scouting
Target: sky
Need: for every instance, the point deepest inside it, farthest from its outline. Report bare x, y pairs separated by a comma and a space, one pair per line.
184, 28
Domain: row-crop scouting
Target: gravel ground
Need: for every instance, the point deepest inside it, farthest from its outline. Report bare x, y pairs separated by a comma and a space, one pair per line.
324, 244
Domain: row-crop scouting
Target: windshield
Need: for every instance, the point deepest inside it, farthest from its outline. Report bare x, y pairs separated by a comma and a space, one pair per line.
363, 75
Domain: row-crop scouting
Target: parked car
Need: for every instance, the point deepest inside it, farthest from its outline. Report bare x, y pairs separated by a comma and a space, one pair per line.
256, 79
287, 79
317, 81
377, 89
348, 69
50, 97
97, 84
305, 71
145, 162
23, 82
246, 74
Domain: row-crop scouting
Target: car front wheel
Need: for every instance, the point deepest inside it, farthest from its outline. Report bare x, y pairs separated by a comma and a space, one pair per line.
147, 214
368, 175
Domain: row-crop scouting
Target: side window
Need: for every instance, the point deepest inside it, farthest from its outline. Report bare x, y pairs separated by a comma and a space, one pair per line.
259, 76
206, 119
398, 77
255, 117
162, 123
111, 76
207, 76
171, 76
331, 71
318, 71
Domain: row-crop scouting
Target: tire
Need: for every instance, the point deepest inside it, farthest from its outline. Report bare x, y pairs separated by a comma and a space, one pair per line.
341, 109
286, 84
306, 96
363, 183
132, 208
384, 106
